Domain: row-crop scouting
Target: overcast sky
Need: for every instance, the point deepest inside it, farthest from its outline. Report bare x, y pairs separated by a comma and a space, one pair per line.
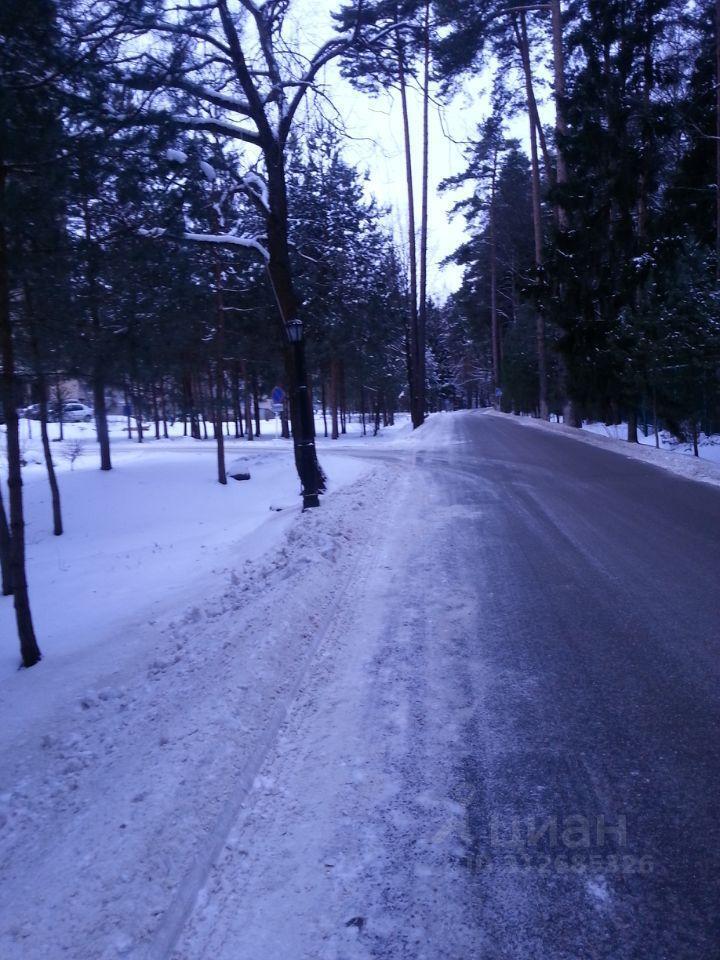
375, 126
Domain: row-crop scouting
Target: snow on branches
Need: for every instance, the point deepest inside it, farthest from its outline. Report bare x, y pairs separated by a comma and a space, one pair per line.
219, 239
257, 189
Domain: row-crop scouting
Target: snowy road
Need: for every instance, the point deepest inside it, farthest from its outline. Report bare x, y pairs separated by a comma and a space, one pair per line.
474, 713
510, 747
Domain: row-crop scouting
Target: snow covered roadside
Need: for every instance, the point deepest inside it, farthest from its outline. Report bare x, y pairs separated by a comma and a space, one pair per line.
709, 447
124, 764
692, 468
140, 539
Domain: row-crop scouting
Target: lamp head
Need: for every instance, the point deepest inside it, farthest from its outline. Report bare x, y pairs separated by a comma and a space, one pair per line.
295, 331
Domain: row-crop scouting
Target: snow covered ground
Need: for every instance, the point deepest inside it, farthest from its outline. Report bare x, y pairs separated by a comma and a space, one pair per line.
176, 617
239, 745
673, 456
708, 447
140, 539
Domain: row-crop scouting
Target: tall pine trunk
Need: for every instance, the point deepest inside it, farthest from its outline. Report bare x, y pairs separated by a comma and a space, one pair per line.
412, 245
271, 139
237, 411
632, 426
334, 390
323, 403
219, 376
98, 385
717, 138
524, 44
250, 433
285, 421
101, 422
422, 301
561, 172
570, 413
47, 453
155, 409
163, 408
279, 271
256, 402
29, 649
494, 321
43, 396
343, 398
59, 401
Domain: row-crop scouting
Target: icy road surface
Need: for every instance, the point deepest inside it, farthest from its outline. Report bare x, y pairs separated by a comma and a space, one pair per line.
469, 709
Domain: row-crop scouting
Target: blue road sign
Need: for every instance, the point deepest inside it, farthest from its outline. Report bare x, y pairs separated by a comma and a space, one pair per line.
278, 395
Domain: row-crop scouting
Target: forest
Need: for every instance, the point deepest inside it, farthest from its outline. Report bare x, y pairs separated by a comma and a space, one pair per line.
181, 228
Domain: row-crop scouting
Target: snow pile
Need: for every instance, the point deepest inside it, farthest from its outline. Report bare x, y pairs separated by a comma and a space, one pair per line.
208, 171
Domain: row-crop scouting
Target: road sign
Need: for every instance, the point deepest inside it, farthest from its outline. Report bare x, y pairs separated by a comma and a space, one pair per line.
278, 408
278, 395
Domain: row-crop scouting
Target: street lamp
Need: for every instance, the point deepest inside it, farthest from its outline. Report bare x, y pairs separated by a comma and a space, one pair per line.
304, 427
295, 331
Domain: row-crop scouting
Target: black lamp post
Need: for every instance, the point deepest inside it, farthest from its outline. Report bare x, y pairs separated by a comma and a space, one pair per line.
304, 428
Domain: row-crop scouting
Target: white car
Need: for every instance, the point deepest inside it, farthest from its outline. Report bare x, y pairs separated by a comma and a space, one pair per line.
76, 412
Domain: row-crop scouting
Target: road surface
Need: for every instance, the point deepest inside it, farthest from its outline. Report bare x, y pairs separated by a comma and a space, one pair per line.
510, 745
468, 709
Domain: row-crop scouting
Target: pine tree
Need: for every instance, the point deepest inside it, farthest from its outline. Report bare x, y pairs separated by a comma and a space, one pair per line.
403, 59
613, 144
30, 145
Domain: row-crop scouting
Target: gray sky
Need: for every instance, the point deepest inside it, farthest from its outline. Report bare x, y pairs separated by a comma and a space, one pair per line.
382, 153
375, 126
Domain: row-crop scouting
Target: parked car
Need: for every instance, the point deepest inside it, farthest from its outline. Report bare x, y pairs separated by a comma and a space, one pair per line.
76, 412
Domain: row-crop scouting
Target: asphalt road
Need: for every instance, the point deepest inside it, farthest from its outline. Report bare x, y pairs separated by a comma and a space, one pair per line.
592, 750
